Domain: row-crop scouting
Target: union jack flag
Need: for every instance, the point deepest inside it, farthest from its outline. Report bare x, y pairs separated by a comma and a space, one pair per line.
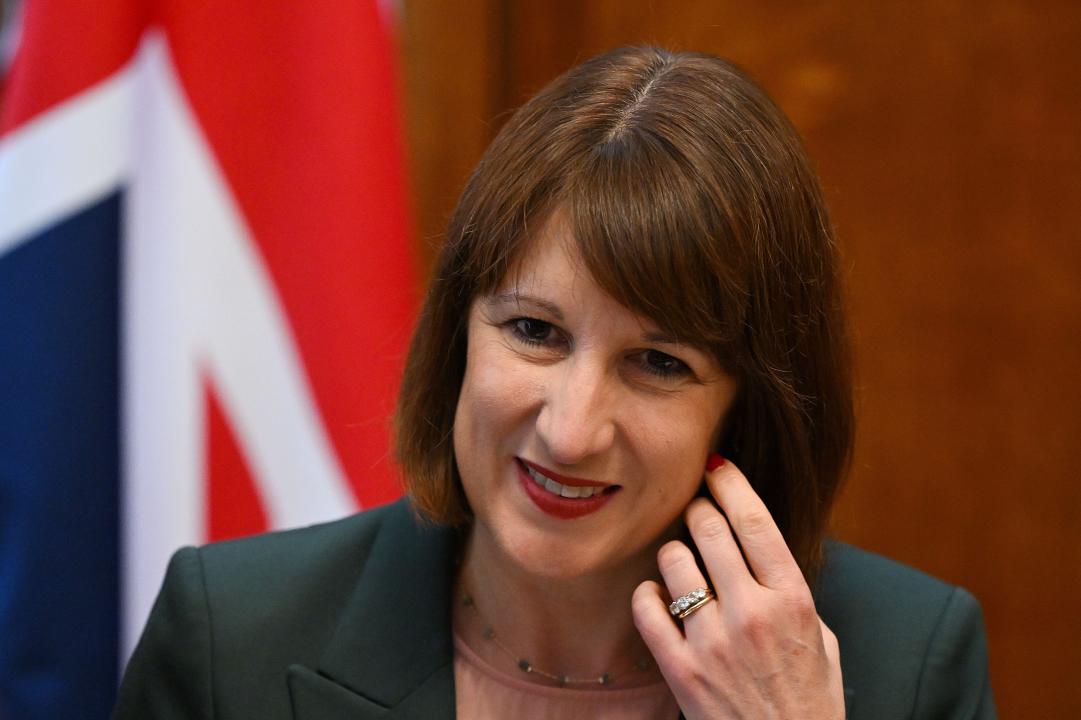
205, 295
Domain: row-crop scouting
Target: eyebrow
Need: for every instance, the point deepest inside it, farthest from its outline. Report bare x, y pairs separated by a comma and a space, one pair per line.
516, 298
662, 338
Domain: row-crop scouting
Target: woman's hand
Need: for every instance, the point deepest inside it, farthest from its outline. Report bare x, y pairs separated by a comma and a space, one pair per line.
759, 650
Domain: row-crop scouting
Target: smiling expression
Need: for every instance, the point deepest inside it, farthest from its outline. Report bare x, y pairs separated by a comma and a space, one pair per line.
581, 430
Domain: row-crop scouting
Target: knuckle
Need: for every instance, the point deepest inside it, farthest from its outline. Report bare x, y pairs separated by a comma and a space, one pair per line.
714, 529
754, 522
755, 625
801, 605
724, 481
718, 652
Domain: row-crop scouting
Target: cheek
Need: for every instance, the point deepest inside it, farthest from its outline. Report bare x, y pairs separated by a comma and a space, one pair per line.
675, 452
495, 391
496, 396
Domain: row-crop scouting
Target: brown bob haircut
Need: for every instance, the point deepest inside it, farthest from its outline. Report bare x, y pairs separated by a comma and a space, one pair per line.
692, 203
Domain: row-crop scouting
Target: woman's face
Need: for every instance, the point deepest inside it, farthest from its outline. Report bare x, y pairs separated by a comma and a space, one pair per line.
565, 387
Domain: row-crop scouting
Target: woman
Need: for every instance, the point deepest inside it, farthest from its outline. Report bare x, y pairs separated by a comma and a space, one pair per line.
624, 417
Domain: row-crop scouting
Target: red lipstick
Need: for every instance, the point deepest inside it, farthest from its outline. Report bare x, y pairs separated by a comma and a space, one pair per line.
562, 479
555, 505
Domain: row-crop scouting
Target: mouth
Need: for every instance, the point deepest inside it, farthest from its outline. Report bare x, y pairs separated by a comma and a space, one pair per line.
561, 496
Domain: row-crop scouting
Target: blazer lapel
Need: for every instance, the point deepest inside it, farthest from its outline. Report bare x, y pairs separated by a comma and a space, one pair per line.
391, 655
317, 697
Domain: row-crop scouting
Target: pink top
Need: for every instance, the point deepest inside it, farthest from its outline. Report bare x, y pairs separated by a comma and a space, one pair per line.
485, 693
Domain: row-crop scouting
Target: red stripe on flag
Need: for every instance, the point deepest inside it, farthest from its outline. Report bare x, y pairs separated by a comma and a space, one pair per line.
299, 103
234, 506
65, 48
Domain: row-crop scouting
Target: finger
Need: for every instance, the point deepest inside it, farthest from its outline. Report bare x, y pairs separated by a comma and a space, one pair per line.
649, 608
763, 545
717, 546
681, 576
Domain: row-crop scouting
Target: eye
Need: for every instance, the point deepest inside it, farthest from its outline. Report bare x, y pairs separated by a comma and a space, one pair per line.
662, 364
533, 331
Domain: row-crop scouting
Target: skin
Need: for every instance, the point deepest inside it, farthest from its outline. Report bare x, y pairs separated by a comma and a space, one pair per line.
760, 650
560, 374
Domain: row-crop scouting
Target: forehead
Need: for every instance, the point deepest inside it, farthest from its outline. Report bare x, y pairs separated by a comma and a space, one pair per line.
668, 272
552, 276
586, 264
550, 257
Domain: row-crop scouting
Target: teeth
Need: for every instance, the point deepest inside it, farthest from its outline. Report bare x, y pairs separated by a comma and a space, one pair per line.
567, 491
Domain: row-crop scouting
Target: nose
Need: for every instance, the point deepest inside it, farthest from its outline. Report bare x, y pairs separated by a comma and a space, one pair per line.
577, 420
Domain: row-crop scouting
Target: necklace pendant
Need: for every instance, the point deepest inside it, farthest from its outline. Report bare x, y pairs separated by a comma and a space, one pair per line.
561, 680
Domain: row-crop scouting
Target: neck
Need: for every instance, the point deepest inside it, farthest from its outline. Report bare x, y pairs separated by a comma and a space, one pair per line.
581, 627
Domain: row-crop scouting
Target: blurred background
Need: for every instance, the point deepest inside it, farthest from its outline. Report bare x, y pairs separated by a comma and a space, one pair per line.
946, 137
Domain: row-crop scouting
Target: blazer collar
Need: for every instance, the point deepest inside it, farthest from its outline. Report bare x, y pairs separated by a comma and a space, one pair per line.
391, 655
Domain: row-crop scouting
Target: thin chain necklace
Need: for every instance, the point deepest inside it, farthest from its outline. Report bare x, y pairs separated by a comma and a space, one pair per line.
529, 668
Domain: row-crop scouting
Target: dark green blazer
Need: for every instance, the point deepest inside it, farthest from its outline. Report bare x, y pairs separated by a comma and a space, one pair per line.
352, 620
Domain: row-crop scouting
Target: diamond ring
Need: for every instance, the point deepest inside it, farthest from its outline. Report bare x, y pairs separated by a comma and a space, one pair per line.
684, 605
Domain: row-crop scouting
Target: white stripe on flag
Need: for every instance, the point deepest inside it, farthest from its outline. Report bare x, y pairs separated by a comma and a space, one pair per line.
198, 300
64, 160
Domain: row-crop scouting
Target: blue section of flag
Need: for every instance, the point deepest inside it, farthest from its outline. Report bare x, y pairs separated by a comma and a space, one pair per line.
60, 469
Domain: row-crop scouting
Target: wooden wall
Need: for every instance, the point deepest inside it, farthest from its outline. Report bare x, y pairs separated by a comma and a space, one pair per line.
946, 136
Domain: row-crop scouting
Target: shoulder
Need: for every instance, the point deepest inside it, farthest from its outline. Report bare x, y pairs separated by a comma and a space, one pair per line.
280, 560
294, 582
910, 643
282, 593
299, 543
857, 586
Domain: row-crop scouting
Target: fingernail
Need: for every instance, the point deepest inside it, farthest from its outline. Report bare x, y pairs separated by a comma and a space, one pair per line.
714, 462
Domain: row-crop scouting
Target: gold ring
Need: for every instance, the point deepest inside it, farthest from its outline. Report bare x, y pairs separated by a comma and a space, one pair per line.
690, 603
